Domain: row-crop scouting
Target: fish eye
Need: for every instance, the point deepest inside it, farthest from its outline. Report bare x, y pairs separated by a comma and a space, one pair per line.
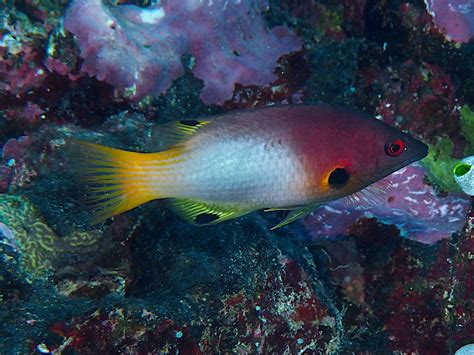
395, 148
338, 178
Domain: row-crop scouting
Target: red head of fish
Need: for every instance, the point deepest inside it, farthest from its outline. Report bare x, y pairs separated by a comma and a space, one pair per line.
346, 151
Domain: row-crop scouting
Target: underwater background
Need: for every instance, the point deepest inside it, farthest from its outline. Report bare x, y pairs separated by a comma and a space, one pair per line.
395, 277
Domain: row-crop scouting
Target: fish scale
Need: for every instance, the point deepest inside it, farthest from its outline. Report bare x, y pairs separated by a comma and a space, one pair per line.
249, 174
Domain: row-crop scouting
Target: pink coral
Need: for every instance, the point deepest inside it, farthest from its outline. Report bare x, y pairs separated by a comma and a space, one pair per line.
138, 50
20, 55
20, 72
29, 113
455, 18
411, 205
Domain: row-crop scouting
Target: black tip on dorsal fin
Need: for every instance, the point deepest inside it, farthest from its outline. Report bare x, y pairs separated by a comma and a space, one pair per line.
190, 123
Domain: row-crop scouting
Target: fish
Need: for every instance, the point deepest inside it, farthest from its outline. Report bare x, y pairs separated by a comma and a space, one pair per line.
286, 157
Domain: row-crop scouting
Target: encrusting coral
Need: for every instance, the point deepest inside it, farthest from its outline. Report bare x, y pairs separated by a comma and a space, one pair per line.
36, 246
138, 50
28, 235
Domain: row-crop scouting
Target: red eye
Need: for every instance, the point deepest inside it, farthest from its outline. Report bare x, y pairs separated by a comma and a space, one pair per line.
395, 148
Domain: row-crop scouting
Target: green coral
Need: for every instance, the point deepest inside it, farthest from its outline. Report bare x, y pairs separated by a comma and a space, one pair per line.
440, 162
467, 126
38, 246
79, 239
34, 239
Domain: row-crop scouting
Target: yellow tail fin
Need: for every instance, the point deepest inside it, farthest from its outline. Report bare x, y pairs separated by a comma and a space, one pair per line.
119, 180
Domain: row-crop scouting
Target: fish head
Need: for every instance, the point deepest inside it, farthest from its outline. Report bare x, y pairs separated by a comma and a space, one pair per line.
386, 150
363, 150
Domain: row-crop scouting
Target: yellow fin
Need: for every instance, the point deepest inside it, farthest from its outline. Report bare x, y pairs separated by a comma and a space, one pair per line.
188, 127
203, 213
297, 213
119, 180
276, 209
172, 134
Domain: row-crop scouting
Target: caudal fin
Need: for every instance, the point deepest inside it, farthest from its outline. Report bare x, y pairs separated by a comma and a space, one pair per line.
119, 180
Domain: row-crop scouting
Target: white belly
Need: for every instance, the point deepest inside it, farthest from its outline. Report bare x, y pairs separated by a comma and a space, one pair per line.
243, 171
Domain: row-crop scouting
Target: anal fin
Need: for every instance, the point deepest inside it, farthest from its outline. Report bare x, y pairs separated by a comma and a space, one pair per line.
205, 213
276, 209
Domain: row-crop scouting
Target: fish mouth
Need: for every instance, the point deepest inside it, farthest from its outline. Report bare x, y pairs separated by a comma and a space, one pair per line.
419, 152
423, 150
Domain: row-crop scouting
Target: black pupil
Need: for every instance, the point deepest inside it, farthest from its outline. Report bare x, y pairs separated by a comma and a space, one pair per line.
338, 178
396, 147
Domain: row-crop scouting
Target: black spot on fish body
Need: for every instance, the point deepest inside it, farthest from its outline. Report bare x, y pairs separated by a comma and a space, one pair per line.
190, 123
205, 218
338, 178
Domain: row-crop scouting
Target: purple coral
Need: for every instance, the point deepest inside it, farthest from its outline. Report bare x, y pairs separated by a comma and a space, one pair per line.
13, 170
455, 18
411, 205
138, 50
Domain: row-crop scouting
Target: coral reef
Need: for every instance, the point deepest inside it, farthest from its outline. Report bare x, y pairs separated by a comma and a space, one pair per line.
33, 91
467, 126
286, 315
349, 279
462, 173
28, 236
15, 171
193, 300
440, 164
425, 307
138, 50
20, 69
441, 159
325, 58
428, 95
454, 18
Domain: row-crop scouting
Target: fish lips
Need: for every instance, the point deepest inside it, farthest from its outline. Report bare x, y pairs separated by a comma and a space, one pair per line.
416, 149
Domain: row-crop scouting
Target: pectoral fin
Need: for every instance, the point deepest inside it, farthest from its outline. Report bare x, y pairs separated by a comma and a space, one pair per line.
296, 213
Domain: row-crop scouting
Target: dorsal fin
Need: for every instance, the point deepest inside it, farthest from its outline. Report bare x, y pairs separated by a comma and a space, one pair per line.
186, 128
172, 134
204, 213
